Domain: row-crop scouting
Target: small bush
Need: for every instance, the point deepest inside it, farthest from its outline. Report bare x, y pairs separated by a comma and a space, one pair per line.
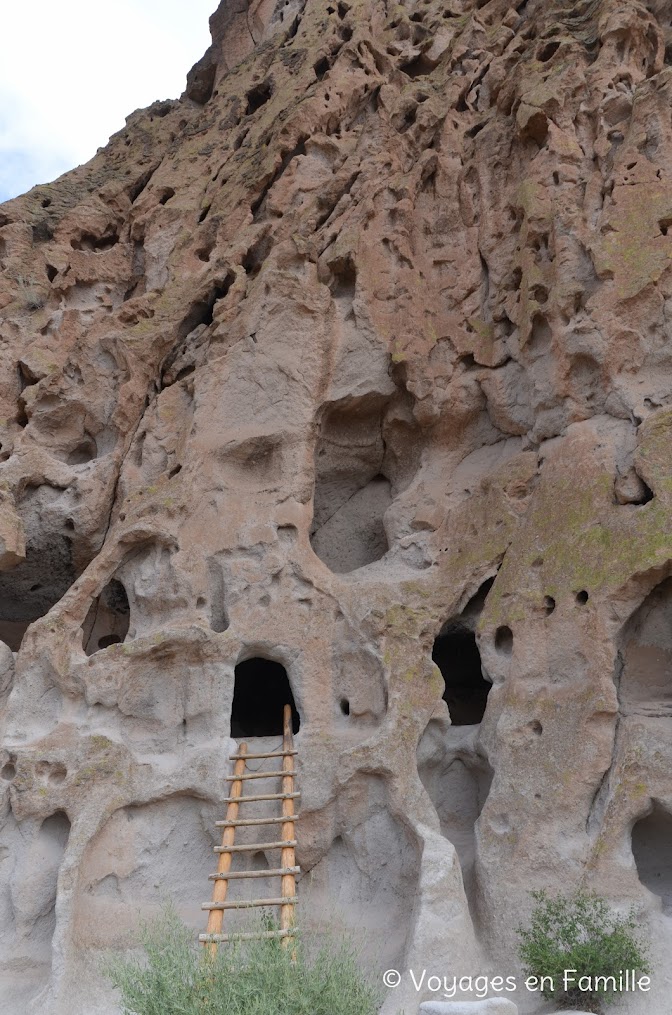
30, 296
579, 931
177, 976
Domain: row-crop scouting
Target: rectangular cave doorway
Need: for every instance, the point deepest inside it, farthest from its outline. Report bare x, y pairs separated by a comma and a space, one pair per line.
261, 691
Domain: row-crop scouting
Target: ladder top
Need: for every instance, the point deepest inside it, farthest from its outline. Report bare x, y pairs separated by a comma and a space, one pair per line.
278, 774
268, 754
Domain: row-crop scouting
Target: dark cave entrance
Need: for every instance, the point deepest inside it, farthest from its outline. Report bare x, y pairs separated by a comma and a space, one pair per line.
652, 850
261, 691
466, 692
108, 620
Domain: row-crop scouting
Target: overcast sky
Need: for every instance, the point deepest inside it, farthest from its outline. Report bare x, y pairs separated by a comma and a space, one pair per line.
72, 70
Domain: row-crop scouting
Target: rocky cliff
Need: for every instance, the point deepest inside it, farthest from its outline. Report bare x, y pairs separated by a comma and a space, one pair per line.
346, 376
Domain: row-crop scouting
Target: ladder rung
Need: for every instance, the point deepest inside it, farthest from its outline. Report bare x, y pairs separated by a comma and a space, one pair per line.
291, 901
262, 775
260, 935
256, 821
277, 872
254, 757
251, 847
264, 796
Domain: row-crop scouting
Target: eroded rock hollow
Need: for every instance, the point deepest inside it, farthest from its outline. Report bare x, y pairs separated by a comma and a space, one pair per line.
347, 374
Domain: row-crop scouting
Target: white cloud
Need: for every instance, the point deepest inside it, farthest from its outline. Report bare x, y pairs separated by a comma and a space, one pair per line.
72, 70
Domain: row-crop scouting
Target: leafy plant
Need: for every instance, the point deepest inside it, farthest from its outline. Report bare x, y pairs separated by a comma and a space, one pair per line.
580, 932
176, 976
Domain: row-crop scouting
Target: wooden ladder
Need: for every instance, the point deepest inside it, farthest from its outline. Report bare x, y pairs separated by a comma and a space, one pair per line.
287, 870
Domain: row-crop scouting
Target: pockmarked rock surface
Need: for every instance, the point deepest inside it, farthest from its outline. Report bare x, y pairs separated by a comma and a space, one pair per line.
354, 361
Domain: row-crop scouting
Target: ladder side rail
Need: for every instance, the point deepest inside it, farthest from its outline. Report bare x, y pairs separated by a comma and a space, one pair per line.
221, 886
288, 861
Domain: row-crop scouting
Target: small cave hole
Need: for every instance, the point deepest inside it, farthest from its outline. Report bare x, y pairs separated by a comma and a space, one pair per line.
409, 118
166, 195
258, 97
261, 691
418, 67
96, 244
26, 377
645, 655
42, 232
204, 213
8, 771
256, 255
549, 605
108, 619
293, 29
203, 253
56, 773
582, 597
321, 68
345, 706
475, 130
504, 640
202, 312
51, 272
548, 51
109, 639
54, 832
536, 728
651, 838
664, 225
466, 689
645, 495
30, 589
84, 452
219, 619
541, 335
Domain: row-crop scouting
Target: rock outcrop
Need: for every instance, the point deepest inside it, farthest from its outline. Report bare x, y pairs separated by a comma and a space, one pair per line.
355, 355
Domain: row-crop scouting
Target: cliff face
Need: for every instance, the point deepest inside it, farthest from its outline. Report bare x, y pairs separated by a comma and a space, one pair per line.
355, 354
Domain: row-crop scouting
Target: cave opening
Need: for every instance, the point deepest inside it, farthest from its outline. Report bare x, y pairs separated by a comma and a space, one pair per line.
108, 620
261, 691
644, 679
652, 850
466, 689
352, 492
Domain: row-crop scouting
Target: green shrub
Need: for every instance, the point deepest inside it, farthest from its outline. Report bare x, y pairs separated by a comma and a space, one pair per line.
580, 932
177, 976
